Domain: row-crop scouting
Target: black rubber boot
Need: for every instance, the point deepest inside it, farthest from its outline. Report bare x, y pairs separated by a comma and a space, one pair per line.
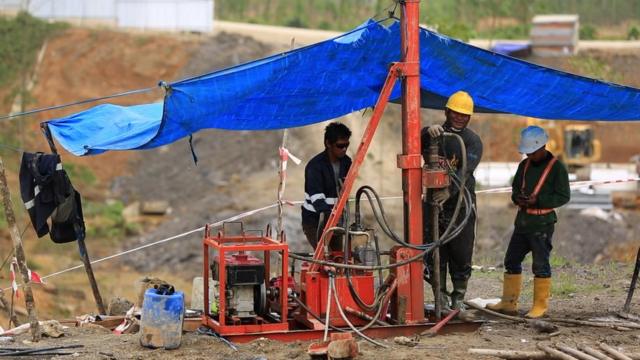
457, 299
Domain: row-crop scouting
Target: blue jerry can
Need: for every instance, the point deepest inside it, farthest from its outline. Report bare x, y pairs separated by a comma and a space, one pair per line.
161, 319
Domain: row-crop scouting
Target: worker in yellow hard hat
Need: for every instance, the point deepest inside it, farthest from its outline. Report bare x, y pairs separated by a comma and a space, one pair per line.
455, 255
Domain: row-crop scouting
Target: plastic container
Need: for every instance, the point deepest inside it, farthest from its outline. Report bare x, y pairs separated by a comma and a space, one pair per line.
161, 320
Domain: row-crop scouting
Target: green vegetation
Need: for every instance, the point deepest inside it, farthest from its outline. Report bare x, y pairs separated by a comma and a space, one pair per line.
520, 31
587, 32
22, 37
457, 31
104, 220
633, 34
595, 68
563, 284
442, 14
80, 174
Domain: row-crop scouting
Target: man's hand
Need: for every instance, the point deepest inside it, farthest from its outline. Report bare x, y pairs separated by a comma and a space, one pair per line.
441, 196
435, 131
532, 200
525, 202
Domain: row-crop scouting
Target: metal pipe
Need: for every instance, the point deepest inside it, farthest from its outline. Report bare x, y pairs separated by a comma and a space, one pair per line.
434, 330
435, 282
411, 159
327, 316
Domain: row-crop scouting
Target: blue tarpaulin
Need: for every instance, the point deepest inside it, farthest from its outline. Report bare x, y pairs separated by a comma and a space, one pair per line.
336, 77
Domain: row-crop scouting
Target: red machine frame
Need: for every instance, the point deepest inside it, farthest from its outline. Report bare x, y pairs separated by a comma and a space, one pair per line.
224, 244
407, 299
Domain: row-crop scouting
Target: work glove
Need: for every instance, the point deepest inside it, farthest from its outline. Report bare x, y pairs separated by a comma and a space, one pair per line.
441, 196
435, 131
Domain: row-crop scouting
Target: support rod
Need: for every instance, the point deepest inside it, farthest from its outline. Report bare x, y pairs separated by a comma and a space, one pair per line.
411, 160
80, 235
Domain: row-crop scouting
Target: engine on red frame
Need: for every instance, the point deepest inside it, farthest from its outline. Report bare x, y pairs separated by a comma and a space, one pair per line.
245, 289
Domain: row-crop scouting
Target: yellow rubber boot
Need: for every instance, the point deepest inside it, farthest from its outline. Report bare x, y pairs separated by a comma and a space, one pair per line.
510, 294
541, 293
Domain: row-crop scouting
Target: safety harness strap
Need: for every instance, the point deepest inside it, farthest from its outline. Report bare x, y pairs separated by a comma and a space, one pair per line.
541, 182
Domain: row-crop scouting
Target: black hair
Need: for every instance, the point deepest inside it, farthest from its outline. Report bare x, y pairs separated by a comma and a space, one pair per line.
335, 131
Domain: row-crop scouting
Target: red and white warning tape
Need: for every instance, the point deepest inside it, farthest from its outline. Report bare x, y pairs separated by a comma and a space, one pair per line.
13, 269
36, 278
285, 155
573, 185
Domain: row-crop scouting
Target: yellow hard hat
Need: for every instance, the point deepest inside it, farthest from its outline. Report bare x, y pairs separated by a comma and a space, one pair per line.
461, 102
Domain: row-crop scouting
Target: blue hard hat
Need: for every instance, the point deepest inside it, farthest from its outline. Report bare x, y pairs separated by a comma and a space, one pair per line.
532, 138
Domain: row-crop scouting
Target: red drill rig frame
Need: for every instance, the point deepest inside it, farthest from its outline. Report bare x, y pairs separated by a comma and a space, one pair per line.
410, 290
405, 294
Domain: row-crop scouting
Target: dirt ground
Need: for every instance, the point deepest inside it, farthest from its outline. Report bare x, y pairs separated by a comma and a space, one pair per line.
580, 292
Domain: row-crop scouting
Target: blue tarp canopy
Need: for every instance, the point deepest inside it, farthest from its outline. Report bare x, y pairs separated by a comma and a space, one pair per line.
336, 77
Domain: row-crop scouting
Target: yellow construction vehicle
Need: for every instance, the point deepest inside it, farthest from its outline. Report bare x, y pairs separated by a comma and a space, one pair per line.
574, 144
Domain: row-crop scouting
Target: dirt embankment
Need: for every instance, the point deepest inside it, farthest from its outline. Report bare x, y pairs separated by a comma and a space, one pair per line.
79, 64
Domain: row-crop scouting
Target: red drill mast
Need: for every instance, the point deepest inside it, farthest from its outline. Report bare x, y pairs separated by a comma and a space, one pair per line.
410, 282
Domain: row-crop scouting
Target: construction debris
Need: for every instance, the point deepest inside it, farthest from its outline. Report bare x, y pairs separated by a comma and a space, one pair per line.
406, 341
50, 328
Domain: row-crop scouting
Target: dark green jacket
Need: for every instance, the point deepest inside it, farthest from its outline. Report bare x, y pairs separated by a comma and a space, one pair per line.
554, 193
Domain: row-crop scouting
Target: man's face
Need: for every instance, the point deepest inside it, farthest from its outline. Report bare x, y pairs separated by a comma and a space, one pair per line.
538, 155
338, 149
457, 120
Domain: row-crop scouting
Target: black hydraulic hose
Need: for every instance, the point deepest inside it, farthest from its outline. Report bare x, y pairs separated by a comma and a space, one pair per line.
378, 257
381, 216
380, 291
463, 195
363, 267
310, 312
427, 249
352, 290
463, 151
468, 204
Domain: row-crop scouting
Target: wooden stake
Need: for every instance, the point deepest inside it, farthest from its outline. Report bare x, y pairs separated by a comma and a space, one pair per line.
19, 252
616, 326
13, 319
575, 352
84, 255
613, 352
556, 353
510, 354
593, 352
82, 248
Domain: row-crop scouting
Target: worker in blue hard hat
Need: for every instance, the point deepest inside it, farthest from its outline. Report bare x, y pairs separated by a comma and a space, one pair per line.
541, 184
456, 255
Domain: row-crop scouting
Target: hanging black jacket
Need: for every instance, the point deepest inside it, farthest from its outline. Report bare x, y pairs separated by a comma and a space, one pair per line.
320, 190
47, 193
